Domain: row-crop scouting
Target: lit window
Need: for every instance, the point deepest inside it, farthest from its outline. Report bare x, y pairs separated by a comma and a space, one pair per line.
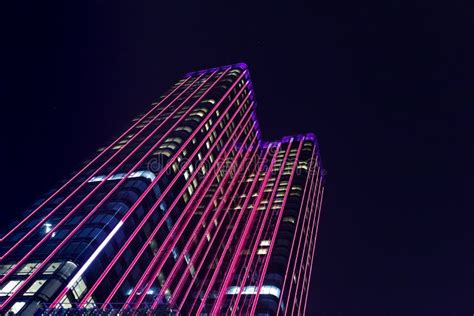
265, 243
8, 288
27, 269
34, 287
262, 251
65, 303
16, 307
79, 288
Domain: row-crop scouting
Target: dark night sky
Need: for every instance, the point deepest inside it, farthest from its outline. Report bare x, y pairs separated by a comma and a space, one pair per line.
387, 86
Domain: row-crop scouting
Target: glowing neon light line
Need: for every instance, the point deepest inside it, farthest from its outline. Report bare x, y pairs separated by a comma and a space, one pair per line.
300, 250
70, 213
41, 265
234, 229
190, 160
272, 243
178, 197
162, 171
90, 163
199, 224
314, 250
308, 184
239, 216
171, 234
259, 234
91, 259
67, 198
221, 206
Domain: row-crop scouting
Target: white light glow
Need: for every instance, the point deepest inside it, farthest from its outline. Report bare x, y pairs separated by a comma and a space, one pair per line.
265, 290
94, 255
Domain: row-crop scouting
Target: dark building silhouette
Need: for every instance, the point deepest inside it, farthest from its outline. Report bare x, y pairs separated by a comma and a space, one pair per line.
188, 212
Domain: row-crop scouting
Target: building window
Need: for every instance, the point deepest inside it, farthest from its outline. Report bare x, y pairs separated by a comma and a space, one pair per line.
79, 288
52, 267
10, 287
16, 307
34, 287
27, 269
5, 268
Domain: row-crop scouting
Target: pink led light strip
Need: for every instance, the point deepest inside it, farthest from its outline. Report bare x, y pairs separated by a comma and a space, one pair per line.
200, 223
191, 178
158, 177
314, 250
64, 241
227, 238
235, 180
70, 213
310, 179
310, 231
301, 249
179, 235
260, 232
230, 271
272, 242
89, 164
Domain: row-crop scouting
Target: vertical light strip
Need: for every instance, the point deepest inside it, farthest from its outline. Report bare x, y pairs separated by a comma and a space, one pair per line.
259, 234
229, 239
314, 250
301, 249
161, 173
66, 239
91, 259
249, 166
272, 242
204, 215
198, 226
310, 179
91, 162
245, 234
158, 177
191, 178
310, 232
56, 208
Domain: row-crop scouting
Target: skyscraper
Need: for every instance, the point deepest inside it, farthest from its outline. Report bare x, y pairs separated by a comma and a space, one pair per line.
187, 212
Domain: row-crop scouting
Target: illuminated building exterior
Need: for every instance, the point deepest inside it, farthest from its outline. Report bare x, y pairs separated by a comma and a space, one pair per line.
187, 212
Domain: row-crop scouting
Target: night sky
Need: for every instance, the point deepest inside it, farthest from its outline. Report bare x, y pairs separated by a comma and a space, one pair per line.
387, 87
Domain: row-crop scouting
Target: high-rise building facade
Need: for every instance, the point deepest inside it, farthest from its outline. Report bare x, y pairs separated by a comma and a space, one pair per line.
187, 212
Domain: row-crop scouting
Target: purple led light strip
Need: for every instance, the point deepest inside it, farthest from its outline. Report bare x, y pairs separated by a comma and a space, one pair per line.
90, 177
301, 249
260, 232
63, 242
93, 160
311, 225
200, 223
272, 242
191, 178
229, 238
235, 180
168, 165
117, 286
70, 213
230, 271
313, 251
163, 261
308, 183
